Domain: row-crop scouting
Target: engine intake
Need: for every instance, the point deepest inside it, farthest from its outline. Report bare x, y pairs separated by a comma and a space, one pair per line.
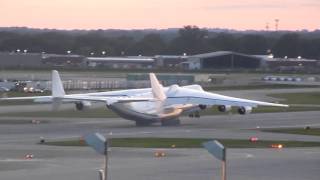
202, 106
245, 110
224, 108
82, 105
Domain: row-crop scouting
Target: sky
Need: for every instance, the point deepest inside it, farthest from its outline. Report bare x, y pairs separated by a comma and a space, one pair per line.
160, 14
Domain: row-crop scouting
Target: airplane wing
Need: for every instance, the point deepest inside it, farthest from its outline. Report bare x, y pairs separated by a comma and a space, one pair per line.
59, 95
191, 96
107, 100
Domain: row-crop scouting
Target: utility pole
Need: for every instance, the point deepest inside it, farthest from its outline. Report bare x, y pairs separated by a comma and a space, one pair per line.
276, 24
99, 143
106, 162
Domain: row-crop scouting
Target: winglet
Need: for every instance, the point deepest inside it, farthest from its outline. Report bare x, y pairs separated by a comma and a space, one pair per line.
57, 87
157, 88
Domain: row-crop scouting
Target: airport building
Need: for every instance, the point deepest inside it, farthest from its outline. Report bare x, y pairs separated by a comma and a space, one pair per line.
223, 60
290, 64
219, 60
58, 60
142, 80
135, 62
20, 60
39, 60
169, 61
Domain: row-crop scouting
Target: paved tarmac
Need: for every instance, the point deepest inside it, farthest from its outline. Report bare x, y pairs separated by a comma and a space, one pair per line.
18, 137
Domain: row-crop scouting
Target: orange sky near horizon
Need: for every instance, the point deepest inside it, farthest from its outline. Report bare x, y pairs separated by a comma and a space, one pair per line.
160, 14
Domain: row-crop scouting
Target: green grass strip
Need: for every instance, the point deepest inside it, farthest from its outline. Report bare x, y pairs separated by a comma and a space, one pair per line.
302, 131
186, 143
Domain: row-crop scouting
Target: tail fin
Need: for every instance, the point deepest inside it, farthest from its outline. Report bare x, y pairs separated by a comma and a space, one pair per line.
57, 86
157, 88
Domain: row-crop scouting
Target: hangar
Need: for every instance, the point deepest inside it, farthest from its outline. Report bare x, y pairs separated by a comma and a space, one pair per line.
60, 60
135, 62
20, 60
223, 60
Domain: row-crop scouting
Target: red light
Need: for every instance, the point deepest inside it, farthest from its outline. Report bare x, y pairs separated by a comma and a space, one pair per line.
254, 139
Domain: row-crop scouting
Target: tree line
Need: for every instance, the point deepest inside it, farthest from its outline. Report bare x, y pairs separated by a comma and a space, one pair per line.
189, 39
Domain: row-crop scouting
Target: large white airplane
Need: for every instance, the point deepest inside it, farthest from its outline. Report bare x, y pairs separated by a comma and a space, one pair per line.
150, 105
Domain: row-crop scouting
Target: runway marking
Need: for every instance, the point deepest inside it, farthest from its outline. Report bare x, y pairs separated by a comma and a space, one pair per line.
20, 160
249, 156
241, 155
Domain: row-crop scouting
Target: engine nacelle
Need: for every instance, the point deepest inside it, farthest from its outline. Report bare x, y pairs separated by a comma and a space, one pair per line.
224, 108
83, 105
245, 110
202, 106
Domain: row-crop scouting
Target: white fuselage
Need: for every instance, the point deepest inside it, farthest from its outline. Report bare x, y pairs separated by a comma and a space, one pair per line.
152, 111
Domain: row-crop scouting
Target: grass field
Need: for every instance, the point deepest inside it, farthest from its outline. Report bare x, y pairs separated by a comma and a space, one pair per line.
299, 98
259, 86
19, 94
302, 131
185, 143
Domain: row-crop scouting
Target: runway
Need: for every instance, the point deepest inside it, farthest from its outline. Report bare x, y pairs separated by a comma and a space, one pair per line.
18, 136
55, 163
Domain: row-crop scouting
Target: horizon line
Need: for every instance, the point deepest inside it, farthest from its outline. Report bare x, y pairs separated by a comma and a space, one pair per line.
159, 29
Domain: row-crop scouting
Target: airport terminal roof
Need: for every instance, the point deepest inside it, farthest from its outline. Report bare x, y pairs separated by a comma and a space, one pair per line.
170, 56
120, 59
218, 53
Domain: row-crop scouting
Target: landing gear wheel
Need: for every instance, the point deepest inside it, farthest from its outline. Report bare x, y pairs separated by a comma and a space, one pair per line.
172, 122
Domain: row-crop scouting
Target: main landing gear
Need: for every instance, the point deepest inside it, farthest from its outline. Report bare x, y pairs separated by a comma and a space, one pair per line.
195, 114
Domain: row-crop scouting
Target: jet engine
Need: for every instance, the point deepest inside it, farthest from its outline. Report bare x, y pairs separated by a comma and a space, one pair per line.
82, 105
202, 106
245, 110
224, 108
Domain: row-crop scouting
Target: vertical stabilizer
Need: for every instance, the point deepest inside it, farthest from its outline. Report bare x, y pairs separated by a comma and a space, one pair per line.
157, 89
57, 87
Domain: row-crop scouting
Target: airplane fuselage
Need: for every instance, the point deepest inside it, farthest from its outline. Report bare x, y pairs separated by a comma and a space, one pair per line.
149, 112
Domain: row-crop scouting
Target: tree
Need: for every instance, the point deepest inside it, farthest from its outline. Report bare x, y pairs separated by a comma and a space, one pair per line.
223, 42
288, 45
150, 45
253, 44
190, 40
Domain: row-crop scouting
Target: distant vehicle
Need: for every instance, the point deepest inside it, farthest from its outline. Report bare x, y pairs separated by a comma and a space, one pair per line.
289, 79
273, 78
32, 90
4, 89
150, 105
297, 79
